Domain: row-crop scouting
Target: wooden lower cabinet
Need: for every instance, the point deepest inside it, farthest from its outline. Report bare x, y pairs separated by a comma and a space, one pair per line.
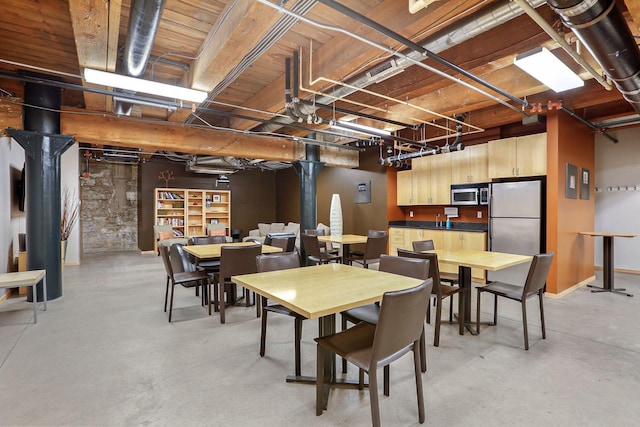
401, 237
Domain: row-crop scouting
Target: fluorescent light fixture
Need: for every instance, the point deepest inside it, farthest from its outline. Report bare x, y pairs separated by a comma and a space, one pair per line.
355, 127
140, 85
545, 67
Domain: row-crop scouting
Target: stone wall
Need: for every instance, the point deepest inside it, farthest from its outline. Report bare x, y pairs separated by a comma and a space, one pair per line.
109, 222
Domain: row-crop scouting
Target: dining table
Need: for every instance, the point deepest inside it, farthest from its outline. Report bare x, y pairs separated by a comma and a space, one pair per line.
322, 291
468, 259
214, 251
607, 257
345, 240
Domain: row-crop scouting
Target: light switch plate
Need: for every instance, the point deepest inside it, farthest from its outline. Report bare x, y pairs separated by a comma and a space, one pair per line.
479, 214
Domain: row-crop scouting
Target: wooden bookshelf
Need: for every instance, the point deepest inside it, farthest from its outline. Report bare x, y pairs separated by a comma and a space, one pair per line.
189, 211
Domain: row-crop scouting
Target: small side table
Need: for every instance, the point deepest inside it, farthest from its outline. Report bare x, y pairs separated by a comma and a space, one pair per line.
607, 258
27, 278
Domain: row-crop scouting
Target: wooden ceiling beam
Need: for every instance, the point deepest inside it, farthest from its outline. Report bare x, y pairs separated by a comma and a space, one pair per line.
123, 132
243, 26
90, 21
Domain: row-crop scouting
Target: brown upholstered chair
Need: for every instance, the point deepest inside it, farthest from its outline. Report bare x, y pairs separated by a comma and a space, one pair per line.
427, 245
369, 347
375, 246
207, 240
324, 247
187, 279
285, 241
533, 285
440, 291
312, 250
272, 262
410, 267
234, 260
182, 262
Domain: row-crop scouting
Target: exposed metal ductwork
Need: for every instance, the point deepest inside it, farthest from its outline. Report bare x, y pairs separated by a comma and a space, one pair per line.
601, 27
144, 16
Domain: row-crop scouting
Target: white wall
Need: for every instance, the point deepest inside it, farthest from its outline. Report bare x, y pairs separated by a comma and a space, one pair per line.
12, 221
618, 165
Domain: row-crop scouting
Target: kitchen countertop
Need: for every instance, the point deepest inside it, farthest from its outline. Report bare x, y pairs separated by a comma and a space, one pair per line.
479, 227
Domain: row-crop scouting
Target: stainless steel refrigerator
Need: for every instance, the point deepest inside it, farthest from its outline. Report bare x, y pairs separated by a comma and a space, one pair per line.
516, 223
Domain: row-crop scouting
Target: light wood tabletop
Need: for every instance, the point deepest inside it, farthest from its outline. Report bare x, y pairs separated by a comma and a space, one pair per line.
213, 251
344, 239
325, 289
492, 261
599, 234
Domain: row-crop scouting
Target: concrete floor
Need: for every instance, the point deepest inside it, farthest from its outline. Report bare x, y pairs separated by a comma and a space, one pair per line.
104, 354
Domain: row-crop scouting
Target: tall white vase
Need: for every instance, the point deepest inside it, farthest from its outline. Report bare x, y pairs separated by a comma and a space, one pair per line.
335, 216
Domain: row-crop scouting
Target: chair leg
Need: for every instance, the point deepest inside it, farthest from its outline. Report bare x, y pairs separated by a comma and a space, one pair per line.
419, 393
541, 298
495, 309
258, 302
478, 311
344, 361
524, 324
385, 380
166, 295
373, 397
436, 335
298, 338
451, 309
173, 285
423, 351
360, 379
429, 313
222, 302
461, 313
263, 332
319, 379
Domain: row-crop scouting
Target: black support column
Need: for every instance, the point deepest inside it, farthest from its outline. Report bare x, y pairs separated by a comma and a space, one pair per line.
308, 170
43, 147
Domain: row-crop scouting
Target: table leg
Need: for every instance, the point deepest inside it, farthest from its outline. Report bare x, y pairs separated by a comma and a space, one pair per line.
35, 302
346, 247
464, 275
607, 269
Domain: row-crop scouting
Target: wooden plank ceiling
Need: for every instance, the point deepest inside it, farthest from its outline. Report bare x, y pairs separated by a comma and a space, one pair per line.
236, 51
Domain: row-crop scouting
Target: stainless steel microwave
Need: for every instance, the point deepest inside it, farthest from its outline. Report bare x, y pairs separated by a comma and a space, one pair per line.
470, 194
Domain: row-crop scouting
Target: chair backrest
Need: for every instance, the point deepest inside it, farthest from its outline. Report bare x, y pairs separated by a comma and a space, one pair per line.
236, 260
410, 267
279, 261
315, 231
310, 244
287, 244
287, 241
400, 322
376, 246
377, 233
180, 261
207, 240
434, 270
537, 276
423, 245
164, 254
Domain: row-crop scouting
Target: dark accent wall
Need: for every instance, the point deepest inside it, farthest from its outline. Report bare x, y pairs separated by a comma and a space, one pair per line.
357, 218
252, 196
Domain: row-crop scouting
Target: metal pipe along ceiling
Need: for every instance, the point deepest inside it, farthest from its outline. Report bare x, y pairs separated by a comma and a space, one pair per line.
601, 27
144, 17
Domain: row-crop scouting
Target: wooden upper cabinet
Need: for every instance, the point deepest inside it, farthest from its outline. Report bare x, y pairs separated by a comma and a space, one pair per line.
518, 156
440, 179
404, 188
532, 155
470, 165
